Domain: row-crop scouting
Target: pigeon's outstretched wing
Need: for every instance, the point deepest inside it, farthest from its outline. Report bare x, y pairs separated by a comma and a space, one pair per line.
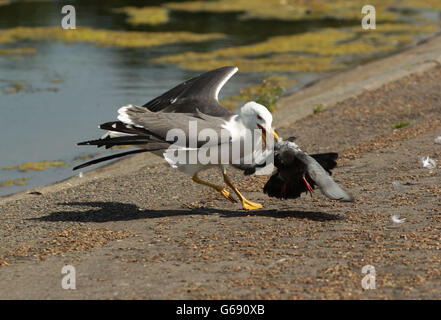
324, 180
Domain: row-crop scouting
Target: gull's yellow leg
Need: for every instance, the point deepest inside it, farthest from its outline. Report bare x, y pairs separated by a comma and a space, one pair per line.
223, 191
246, 204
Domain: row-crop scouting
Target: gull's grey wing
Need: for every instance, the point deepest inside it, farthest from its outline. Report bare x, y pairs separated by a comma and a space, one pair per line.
190, 98
160, 124
200, 93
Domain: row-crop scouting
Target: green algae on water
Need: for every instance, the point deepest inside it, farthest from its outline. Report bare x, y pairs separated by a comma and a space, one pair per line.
101, 37
15, 51
322, 50
279, 63
289, 9
145, 15
386, 10
85, 157
14, 88
38, 166
418, 4
14, 182
306, 52
267, 93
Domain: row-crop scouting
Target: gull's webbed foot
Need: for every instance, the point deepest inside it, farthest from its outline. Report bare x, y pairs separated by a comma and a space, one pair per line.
249, 205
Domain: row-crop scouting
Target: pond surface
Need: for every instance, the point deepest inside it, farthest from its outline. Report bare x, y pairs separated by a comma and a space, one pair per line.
57, 96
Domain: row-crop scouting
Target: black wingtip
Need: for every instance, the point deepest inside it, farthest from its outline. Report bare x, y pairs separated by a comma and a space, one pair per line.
113, 156
80, 166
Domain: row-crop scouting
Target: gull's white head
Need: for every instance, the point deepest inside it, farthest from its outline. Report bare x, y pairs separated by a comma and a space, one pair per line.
257, 116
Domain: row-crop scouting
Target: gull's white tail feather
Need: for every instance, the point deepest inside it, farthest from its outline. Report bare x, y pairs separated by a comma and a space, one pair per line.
123, 116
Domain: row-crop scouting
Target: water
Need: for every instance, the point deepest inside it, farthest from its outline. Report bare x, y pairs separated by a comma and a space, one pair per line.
70, 89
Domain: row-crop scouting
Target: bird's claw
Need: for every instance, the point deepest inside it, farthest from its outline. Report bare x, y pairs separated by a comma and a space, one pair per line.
308, 186
228, 196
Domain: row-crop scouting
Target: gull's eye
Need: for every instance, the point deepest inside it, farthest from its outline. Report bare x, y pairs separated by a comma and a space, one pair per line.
259, 117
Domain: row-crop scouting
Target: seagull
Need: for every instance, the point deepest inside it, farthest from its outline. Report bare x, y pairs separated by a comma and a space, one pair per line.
193, 102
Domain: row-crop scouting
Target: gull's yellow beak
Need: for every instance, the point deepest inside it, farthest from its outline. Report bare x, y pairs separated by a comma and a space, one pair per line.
276, 136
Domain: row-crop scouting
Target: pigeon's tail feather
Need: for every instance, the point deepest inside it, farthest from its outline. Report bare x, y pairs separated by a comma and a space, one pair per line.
326, 160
